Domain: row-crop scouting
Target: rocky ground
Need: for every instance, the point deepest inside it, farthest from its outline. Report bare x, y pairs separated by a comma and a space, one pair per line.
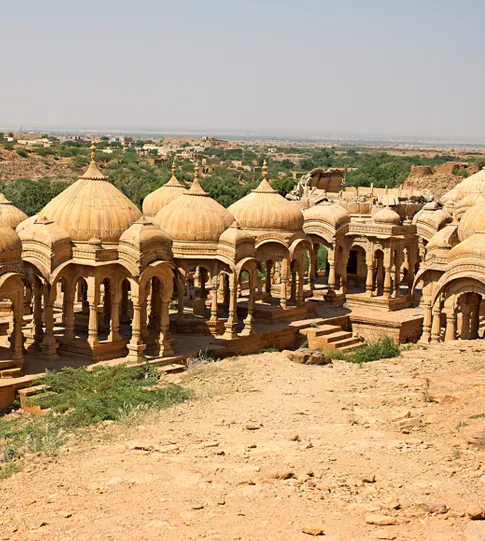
273, 450
13, 166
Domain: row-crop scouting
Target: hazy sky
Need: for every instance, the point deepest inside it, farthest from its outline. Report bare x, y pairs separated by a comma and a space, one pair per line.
413, 67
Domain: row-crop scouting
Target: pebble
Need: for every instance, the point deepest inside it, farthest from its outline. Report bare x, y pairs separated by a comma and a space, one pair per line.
434, 508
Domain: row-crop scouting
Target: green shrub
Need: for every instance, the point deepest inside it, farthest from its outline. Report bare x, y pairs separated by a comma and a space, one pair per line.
383, 348
22, 153
88, 397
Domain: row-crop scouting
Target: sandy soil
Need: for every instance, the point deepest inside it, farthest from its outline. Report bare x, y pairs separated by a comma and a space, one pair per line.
270, 448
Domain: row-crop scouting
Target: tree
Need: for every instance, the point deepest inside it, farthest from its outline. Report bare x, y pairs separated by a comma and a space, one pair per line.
283, 185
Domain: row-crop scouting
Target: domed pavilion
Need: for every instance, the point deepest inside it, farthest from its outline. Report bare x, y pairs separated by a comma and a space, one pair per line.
94, 263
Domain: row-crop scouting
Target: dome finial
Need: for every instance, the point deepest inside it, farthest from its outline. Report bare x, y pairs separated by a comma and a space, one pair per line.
93, 150
173, 168
196, 172
265, 170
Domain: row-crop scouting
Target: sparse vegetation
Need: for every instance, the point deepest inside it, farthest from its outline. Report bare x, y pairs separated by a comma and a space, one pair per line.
383, 348
79, 398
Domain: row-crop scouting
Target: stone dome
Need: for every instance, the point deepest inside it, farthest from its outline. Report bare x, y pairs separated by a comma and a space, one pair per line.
10, 244
386, 216
471, 247
474, 184
10, 215
164, 195
92, 207
330, 213
472, 221
145, 235
432, 215
26, 223
265, 209
194, 216
235, 235
44, 231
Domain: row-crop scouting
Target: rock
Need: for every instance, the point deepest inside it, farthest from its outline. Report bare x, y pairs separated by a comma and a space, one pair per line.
252, 426
311, 529
476, 512
281, 475
197, 506
410, 422
474, 532
324, 488
307, 356
380, 520
371, 478
434, 508
391, 503
295, 437
247, 482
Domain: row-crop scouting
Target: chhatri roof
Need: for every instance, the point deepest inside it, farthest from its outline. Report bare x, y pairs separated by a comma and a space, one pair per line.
265, 209
330, 213
92, 207
472, 221
194, 216
386, 216
164, 195
474, 184
10, 215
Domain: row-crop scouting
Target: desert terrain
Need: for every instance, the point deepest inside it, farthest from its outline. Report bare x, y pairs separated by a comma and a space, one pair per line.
273, 450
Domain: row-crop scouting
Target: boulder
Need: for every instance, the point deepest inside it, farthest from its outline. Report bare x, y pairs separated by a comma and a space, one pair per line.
307, 356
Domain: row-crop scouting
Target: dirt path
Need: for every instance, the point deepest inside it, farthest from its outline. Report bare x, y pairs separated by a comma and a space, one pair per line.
270, 445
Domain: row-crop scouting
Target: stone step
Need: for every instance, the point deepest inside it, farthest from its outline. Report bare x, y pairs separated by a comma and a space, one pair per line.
31, 391
347, 342
305, 324
323, 330
335, 336
352, 347
8, 364
171, 368
10, 373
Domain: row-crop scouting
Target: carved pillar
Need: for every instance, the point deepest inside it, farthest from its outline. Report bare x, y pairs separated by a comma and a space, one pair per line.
249, 321
114, 335
38, 328
106, 306
450, 333
232, 318
49, 343
387, 282
331, 276
427, 318
397, 277
313, 266
369, 282
136, 346
93, 298
436, 325
300, 299
165, 342
202, 281
17, 336
284, 283
214, 309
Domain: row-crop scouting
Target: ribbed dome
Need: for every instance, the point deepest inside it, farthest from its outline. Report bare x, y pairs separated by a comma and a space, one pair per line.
386, 216
264, 208
195, 216
144, 235
26, 223
234, 235
10, 215
472, 247
163, 196
92, 208
10, 244
432, 215
330, 213
472, 221
473, 184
